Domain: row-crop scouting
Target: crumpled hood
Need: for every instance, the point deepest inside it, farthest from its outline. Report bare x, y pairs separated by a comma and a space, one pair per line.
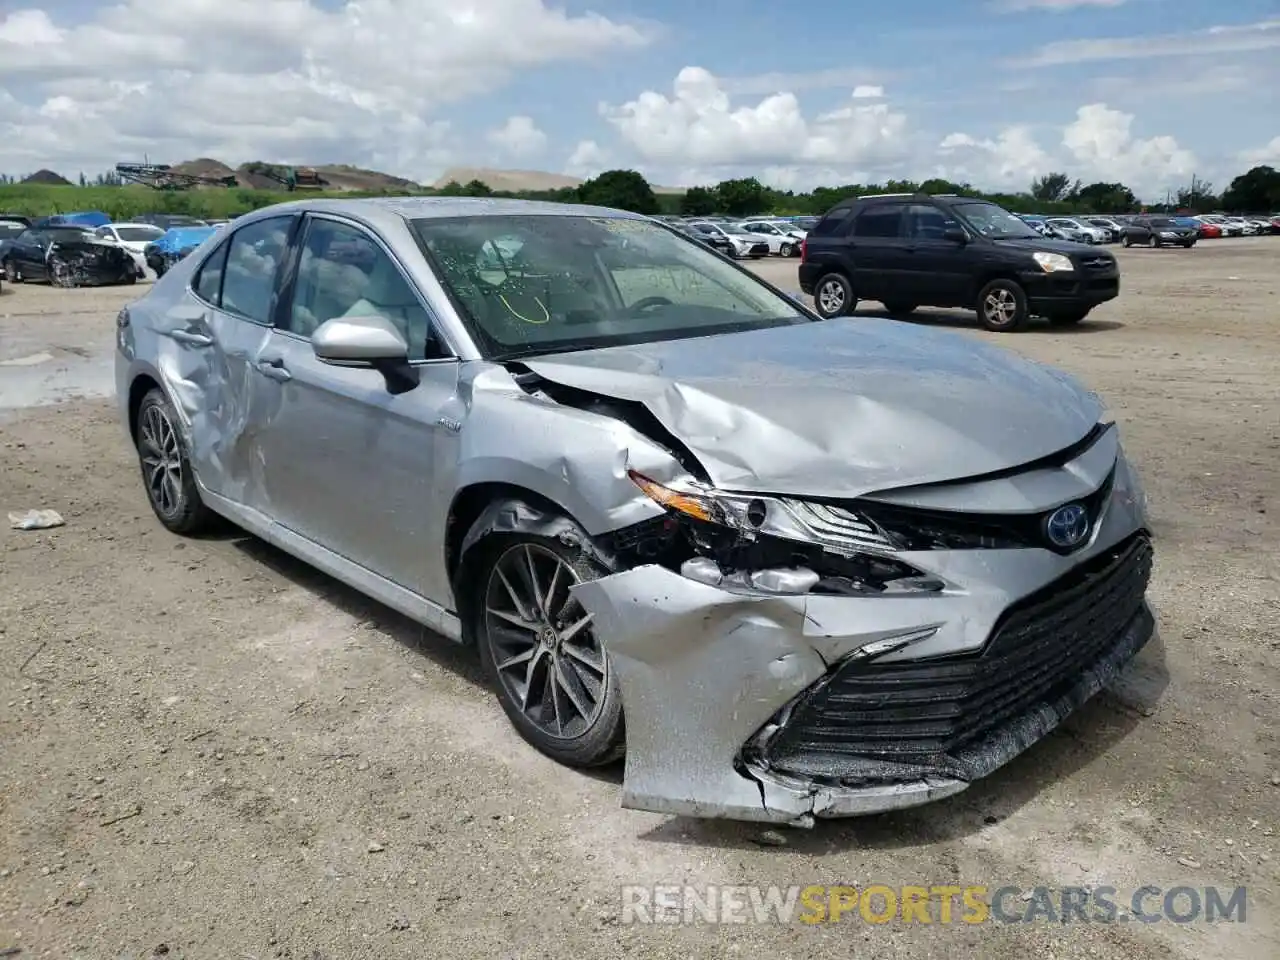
841, 408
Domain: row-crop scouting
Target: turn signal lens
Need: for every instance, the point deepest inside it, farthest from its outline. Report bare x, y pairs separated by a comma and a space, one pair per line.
688, 504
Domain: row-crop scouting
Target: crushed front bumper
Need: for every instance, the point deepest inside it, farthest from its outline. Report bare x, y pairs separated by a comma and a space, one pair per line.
785, 708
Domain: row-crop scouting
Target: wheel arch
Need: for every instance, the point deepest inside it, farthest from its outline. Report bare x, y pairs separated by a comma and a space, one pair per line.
140, 386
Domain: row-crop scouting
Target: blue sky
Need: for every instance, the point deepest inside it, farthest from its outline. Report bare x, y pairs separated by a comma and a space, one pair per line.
1149, 91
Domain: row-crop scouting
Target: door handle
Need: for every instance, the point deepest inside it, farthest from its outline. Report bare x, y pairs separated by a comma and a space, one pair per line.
191, 339
274, 369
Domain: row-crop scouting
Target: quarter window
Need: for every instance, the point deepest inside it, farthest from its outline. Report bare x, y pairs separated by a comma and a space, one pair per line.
343, 272
833, 223
880, 222
253, 261
208, 283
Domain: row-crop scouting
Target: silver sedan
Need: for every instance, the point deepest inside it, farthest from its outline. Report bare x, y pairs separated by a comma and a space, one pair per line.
825, 568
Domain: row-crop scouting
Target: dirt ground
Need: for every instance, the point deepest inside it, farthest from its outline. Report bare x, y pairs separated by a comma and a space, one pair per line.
208, 750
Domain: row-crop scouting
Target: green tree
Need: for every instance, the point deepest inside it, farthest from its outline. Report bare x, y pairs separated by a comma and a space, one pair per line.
1107, 198
1257, 191
699, 202
1054, 187
1199, 197
622, 189
477, 188
938, 185
742, 198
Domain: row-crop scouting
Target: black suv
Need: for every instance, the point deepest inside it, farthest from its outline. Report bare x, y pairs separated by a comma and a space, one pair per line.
911, 250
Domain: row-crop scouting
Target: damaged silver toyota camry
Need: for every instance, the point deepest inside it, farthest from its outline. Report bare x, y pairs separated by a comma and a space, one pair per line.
823, 568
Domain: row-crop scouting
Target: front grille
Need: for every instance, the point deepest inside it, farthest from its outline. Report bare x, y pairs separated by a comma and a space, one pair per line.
1098, 263
919, 529
914, 718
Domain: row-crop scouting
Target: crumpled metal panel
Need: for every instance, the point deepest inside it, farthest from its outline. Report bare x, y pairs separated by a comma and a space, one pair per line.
914, 406
702, 669
86, 263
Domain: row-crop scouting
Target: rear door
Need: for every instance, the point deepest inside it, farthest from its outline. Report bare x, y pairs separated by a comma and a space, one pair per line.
218, 329
880, 253
345, 462
28, 254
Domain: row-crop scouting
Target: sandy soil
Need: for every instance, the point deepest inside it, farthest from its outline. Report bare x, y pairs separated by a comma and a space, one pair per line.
210, 751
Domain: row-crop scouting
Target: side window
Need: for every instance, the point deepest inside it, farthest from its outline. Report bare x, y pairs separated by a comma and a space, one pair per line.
208, 282
344, 273
879, 222
927, 223
253, 260
833, 223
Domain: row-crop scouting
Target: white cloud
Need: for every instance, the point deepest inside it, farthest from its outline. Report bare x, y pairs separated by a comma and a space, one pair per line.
587, 160
518, 137
1010, 161
699, 127
1266, 155
287, 80
1054, 6
1241, 38
1102, 143
764, 84
867, 92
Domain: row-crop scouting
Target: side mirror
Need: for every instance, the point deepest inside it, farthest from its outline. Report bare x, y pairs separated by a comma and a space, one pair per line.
955, 235
359, 341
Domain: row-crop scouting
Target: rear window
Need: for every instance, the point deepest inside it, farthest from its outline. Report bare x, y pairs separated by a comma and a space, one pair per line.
834, 222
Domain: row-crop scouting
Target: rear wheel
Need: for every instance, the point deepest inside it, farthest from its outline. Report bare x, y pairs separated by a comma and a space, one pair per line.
833, 296
539, 649
1002, 306
1125, 241
166, 468
11, 272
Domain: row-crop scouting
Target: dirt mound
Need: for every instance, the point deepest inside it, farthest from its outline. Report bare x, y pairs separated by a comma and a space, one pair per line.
343, 176
520, 181
206, 167
48, 177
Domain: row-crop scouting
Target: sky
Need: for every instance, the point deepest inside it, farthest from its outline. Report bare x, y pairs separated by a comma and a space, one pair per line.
994, 92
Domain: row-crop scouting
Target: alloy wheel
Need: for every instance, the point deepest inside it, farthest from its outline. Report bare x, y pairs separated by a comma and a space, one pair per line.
161, 461
831, 297
1000, 307
544, 649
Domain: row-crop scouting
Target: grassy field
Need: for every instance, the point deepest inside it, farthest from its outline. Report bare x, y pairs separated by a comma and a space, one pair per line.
121, 203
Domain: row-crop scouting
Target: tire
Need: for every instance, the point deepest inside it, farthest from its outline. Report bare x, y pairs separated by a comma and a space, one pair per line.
1125, 241
167, 476
833, 296
59, 272
11, 272
1153, 242
1002, 306
1068, 318
592, 740
899, 308
785, 250
1188, 244
130, 278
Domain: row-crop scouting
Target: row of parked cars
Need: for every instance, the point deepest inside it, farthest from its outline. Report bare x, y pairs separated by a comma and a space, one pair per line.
1151, 230
747, 239
88, 249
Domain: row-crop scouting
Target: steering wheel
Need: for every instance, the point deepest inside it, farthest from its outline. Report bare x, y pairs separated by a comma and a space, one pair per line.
648, 303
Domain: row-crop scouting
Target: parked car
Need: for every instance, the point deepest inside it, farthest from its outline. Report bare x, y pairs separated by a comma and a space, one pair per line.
1247, 228
1112, 228
1068, 228
692, 501
1228, 228
65, 256
133, 237
782, 241
167, 220
716, 241
907, 251
83, 218
742, 245
174, 244
1263, 224
1158, 232
1204, 231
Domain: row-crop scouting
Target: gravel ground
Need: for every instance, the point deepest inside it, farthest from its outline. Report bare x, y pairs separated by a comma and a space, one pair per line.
211, 751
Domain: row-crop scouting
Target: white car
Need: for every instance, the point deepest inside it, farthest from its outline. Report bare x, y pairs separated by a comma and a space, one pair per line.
1247, 227
743, 244
782, 242
1228, 227
134, 237
1088, 234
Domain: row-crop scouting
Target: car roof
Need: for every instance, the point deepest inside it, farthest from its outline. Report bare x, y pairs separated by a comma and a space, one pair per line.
385, 211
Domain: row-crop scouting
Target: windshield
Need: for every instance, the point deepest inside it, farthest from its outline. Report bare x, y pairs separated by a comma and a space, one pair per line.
137, 234
1161, 222
547, 284
993, 221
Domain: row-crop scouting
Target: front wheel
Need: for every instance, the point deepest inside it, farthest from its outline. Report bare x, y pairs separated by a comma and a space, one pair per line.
1153, 242
166, 468
1125, 241
539, 649
11, 272
785, 250
1188, 244
833, 296
1002, 306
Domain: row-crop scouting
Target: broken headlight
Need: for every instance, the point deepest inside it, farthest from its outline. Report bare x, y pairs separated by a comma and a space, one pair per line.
834, 528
